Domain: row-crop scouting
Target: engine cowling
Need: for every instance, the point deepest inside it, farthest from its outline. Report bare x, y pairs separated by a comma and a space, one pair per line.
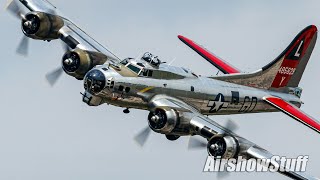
78, 62
163, 121
224, 146
42, 26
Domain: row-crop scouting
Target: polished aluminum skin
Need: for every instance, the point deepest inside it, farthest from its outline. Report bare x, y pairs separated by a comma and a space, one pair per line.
176, 98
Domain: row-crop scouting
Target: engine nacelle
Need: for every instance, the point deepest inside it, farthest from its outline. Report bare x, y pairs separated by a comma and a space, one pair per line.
163, 121
78, 62
43, 26
224, 146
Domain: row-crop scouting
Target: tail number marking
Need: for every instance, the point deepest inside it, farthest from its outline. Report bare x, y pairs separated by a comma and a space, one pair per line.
287, 70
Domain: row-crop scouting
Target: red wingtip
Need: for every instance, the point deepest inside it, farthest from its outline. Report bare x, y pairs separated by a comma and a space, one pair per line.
181, 37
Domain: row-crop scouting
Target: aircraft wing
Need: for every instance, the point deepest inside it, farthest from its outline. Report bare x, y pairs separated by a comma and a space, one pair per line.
70, 33
293, 112
210, 57
197, 124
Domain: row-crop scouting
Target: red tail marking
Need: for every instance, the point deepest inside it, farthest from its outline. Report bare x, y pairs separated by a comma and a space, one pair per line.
292, 58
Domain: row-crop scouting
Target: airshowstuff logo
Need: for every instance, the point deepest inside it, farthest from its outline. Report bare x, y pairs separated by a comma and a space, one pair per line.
273, 164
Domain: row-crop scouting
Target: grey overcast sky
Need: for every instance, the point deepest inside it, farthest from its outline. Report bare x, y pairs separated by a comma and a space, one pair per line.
48, 133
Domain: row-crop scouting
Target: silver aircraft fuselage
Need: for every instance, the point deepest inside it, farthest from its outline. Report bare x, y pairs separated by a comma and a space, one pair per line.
209, 96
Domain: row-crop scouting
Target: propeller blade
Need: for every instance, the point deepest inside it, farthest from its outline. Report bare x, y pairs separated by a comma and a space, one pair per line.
14, 9
53, 76
142, 136
222, 174
65, 47
195, 143
232, 126
23, 46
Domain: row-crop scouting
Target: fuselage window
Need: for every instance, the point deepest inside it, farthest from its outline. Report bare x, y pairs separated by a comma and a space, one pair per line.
120, 88
192, 88
127, 89
147, 73
150, 73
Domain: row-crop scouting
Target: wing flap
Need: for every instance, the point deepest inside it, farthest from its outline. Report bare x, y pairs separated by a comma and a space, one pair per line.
210, 57
293, 112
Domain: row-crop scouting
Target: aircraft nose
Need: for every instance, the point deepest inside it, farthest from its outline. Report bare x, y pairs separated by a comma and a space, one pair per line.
95, 81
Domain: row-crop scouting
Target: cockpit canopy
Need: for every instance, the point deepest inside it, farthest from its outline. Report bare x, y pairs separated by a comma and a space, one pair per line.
144, 66
133, 65
151, 59
150, 66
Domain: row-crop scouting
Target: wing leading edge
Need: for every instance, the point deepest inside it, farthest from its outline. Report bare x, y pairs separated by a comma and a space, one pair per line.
293, 111
210, 57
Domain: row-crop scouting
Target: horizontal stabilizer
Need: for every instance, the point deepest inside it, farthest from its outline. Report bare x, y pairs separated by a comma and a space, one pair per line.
293, 111
210, 57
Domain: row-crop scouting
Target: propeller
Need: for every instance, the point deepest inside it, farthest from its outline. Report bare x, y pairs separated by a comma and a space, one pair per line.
196, 143
142, 136
53, 76
23, 47
16, 11
231, 126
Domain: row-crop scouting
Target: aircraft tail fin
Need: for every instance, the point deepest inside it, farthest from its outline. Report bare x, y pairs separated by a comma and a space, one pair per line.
286, 70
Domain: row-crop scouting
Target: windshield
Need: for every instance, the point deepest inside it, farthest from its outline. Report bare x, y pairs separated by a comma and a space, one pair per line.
134, 68
125, 61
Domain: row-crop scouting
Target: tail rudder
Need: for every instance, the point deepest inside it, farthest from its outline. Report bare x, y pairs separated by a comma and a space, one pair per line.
291, 63
286, 70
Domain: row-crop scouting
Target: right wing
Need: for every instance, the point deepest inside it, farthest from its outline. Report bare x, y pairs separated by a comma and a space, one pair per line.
70, 33
222, 65
192, 122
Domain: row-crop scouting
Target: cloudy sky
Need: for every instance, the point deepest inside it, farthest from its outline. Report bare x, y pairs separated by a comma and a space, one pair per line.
48, 133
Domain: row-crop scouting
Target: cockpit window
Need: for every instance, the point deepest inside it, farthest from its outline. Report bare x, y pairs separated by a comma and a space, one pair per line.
125, 61
134, 68
140, 64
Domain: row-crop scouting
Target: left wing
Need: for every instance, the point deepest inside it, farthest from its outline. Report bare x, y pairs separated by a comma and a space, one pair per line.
192, 122
210, 57
70, 33
293, 112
